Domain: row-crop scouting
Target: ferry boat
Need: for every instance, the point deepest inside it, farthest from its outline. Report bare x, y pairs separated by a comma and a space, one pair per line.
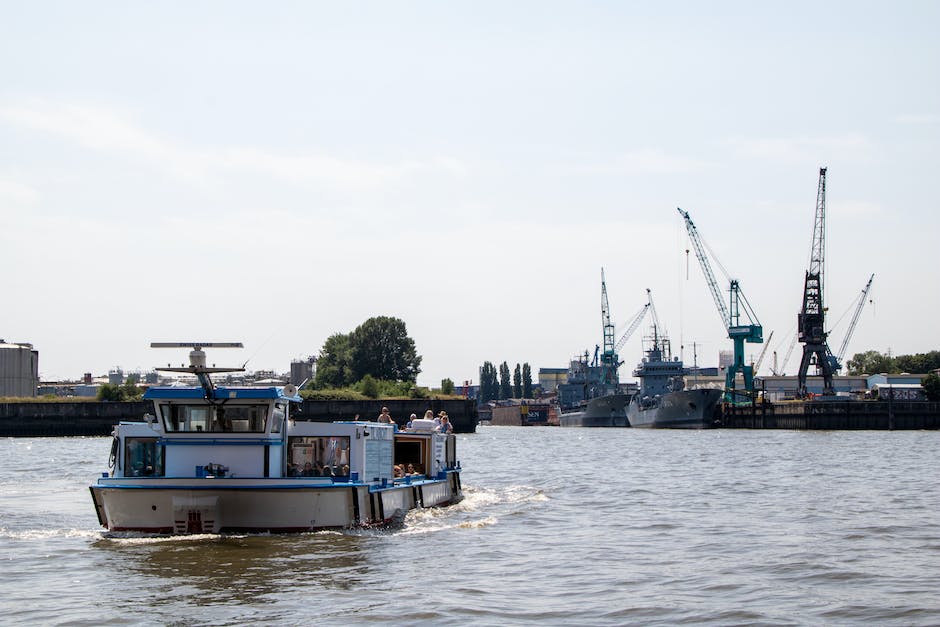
232, 459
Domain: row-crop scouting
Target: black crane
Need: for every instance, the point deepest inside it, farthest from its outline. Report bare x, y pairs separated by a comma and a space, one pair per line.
811, 320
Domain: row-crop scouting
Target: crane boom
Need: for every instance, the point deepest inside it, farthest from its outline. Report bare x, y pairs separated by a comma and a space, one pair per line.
786, 356
637, 319
851, 329
763, 352
706, 268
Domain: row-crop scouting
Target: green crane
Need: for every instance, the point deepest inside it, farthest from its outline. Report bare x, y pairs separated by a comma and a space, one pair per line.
751, 332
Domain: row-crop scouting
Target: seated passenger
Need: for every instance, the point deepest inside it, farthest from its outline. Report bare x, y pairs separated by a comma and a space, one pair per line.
345, 470
292, 470
411, 420
327, 471
309, 471
397, 471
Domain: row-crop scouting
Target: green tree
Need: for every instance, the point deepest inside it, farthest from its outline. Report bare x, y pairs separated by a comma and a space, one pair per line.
369, 386
489, 388
380, 346
130, 391
871, 362
110, 392
526, 381
334, 364
447, 386
517, 382
921, 363
931, 384
505, 387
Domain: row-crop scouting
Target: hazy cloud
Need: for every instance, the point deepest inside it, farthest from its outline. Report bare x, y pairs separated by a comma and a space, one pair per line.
642, 162
15, 194
106, 130
804, 149
917, 119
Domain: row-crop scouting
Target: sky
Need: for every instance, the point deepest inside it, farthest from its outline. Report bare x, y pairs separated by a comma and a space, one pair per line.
276, 173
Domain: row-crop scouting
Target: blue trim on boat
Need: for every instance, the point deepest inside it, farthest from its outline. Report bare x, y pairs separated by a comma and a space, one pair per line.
222, 393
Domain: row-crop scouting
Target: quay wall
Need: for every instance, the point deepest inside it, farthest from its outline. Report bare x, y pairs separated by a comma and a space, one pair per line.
97, 418
833, 415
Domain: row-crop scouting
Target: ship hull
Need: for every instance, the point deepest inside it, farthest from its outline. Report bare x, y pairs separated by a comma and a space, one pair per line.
687, 409
605, 411
185, 506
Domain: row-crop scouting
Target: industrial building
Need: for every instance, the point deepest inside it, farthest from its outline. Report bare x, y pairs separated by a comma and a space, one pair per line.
19, 369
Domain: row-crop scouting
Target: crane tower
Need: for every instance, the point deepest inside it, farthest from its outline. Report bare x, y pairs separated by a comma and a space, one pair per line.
730, 316
812, 317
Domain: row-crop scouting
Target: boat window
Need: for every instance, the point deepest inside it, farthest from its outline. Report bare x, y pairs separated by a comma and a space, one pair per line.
277, 418
321, 456
199, 418
408, 451
248, 418
142, 458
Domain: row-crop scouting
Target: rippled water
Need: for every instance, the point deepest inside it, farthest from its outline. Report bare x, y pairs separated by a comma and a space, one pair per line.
573, 526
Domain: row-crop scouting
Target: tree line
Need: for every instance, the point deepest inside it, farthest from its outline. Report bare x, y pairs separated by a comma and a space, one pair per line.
496, 385
874, 362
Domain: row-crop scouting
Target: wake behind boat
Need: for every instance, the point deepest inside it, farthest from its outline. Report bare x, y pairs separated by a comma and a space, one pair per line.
223, 459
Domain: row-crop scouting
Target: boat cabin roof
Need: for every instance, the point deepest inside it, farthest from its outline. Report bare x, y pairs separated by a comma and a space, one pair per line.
194, 393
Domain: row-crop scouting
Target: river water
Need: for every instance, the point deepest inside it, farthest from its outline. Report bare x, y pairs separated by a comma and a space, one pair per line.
559, 526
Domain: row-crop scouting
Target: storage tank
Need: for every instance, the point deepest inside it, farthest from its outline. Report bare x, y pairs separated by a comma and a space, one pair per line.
302, 370
19, 369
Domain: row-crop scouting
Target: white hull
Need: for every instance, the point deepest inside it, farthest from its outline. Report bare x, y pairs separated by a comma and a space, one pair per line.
196, 505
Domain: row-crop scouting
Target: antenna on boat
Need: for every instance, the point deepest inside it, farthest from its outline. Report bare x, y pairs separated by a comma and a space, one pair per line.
197, 361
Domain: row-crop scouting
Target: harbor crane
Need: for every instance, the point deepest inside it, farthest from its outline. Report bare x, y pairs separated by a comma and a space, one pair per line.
811, 321
609, 358
730, 314
837, 363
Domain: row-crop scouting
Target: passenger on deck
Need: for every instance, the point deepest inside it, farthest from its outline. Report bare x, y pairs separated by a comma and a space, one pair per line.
308, 470
446, 427
397, 471
292, 470
327, 471
411, 420
385, 417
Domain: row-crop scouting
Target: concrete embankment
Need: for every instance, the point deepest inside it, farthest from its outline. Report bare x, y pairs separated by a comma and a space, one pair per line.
97, 418
877, 415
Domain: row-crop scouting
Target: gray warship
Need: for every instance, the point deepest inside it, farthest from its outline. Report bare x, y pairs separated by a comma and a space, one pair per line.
591, 398
663, 401
593, 395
